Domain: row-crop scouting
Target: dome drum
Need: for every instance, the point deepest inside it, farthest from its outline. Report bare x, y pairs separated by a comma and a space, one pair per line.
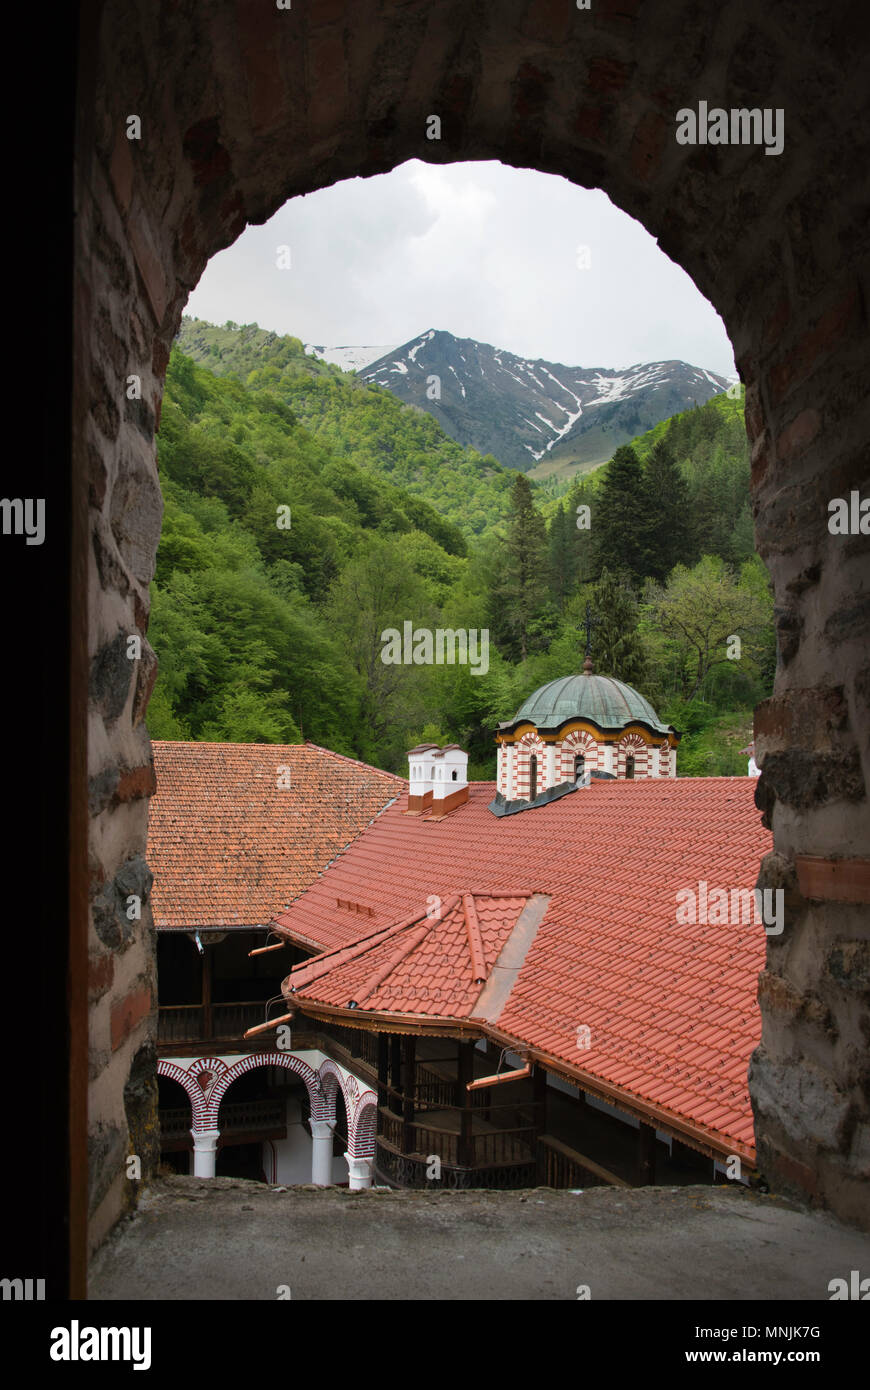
578, 725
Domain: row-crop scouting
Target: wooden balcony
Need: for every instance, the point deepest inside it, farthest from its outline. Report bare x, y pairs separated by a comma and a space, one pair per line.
357, 1044
561, 1166
487, 1157
197, 1024
240, 1122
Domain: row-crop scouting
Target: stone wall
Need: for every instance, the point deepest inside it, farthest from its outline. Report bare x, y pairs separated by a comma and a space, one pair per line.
242, 106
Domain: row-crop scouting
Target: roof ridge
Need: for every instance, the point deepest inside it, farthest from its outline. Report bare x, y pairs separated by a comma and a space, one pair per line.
475, 939
216, 743
359, 946
383, 971
185, 743
346, 759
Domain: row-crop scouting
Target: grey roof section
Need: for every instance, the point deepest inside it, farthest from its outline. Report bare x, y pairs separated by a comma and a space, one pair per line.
500, 807
502, 977
607, 702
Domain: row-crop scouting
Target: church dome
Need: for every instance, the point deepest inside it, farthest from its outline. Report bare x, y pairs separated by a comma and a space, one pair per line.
607, 702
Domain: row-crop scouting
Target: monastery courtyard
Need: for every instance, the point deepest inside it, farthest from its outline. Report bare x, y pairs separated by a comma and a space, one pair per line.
227, 1238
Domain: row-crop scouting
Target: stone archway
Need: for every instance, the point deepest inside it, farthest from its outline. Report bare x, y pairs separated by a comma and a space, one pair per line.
363, 1126
196, 1095
332, 1080
254, 1060
242, 107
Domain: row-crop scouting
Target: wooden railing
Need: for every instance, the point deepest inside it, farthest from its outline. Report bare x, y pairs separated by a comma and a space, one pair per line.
236, 1117
252, 1114
357, 1041
175, 1123
187, 1022
391, 1128
486, 1150
436, 1141
179, 1022
436, 1092
561, 1166
504, 1146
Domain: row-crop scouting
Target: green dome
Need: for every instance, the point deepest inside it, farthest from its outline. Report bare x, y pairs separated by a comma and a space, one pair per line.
607, 702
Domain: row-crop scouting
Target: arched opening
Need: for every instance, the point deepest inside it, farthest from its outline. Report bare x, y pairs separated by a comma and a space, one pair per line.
254, 1119
339, 1138
175, 1120
277, 114
629, 765
533, 777
579, 765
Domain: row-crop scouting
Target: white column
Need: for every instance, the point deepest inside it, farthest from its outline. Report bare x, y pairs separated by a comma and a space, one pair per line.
607, 751
321, 1152
509, 772
205, 1152
551, 766
360, 1172
673, 763
655, 760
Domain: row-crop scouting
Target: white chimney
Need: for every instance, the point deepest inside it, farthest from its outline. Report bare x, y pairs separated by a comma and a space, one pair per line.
421, 776
450, 784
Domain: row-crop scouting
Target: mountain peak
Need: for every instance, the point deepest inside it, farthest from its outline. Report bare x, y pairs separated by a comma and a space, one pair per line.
538, 416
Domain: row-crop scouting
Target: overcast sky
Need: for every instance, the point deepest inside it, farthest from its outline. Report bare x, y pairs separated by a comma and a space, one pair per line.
482, 250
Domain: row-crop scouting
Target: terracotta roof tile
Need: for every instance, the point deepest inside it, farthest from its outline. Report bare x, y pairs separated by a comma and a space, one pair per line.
671, 1006
229, 846
427, 964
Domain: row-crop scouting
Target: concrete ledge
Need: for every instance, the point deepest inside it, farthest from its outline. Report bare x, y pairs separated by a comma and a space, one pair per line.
230, 1239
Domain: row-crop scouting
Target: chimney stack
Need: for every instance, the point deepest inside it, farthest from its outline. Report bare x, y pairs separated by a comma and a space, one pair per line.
437, 779
421, 775
450, 785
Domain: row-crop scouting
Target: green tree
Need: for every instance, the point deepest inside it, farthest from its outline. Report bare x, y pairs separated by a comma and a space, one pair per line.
377, 591
696, 616
563, 556
520, 610
668, 516
617, 647
621, 521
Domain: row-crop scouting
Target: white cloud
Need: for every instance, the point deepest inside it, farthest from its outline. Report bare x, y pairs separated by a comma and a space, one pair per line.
486, 251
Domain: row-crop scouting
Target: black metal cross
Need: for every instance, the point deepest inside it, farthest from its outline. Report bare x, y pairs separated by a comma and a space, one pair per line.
589, 624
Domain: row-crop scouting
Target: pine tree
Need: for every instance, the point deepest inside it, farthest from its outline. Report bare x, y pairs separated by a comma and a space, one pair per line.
621, 522
580, 511
521, 612
563, 557
617, 649
668, 515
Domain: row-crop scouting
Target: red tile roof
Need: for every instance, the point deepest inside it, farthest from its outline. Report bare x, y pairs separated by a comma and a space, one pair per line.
229, 846
671, 1008
433, 962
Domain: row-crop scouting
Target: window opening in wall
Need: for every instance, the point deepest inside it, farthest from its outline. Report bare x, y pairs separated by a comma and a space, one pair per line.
391, 537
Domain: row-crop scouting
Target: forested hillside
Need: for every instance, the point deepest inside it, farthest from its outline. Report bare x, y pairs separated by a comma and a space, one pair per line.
305, 514
366, 425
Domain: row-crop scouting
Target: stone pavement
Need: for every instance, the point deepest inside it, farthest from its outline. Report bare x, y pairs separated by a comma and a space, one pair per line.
230, 1239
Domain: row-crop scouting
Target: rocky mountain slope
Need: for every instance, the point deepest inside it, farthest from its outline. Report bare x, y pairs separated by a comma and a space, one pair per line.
541, 417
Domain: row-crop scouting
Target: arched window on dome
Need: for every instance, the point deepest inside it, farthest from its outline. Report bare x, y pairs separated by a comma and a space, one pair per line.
579, 766
629, 765
533, 777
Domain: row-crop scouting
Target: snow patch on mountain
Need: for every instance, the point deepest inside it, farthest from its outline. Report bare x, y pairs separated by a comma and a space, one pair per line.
350, 359
492, 400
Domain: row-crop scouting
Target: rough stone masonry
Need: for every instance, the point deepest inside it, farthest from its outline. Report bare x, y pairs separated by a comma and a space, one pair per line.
243, 106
